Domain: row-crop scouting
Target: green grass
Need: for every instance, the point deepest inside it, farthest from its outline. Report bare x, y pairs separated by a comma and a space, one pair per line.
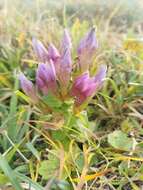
100, 148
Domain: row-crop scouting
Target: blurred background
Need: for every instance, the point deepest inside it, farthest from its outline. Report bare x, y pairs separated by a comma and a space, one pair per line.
115, 21
36, 17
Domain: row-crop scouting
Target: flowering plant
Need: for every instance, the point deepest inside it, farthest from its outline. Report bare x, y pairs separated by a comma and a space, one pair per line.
60, 81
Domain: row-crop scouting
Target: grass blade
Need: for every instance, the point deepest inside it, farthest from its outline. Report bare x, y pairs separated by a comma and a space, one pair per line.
9, 173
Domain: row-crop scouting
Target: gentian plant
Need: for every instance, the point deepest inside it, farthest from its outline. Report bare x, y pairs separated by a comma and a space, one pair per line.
62, 85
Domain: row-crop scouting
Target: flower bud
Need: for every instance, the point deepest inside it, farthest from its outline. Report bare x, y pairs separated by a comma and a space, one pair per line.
84, 86
40, 50
46, 77
53, 53
66, 41
28, 87
86, 50
65, 68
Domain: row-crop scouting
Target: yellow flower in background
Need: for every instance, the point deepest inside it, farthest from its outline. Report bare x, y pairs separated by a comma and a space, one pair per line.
76, 25
4, 80
134, 45
79, 28
21, 38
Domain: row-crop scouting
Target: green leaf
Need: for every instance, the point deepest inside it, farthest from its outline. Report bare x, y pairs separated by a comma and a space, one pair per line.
66, 106
119, 140
126, 125
52, 101
13, 128
9, 173
3, 179
22, 96
26, 179
50, 167
80, 162
33, 150
61, 185
60, 135
64, 185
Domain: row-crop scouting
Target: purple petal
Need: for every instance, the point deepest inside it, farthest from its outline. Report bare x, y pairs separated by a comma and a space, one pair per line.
41, 71
40, 50
64, 73
65, 68
27, 87
88, 43
86, 50
53, 53
51, 73
66, 61
66, 41
42, 86
81, 79
100, 76
83, 88
80, 88
46, 77
90, 90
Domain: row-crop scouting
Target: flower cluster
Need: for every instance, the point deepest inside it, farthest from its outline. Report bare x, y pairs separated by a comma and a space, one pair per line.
56, 74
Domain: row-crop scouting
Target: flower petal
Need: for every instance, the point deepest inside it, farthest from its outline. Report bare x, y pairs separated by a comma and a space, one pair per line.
100, 76
89, 42
66, 41
65, 68
53, 53
86, 50
40, 50
28, 87
46, 77
83, 88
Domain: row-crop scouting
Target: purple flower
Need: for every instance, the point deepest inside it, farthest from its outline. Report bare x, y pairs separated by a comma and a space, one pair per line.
86, 50
65, 69
55, 71
40, 50
53, 53
65, 61
84, 86
100, 76
55, 56
28, 87
66, 41
46, 77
